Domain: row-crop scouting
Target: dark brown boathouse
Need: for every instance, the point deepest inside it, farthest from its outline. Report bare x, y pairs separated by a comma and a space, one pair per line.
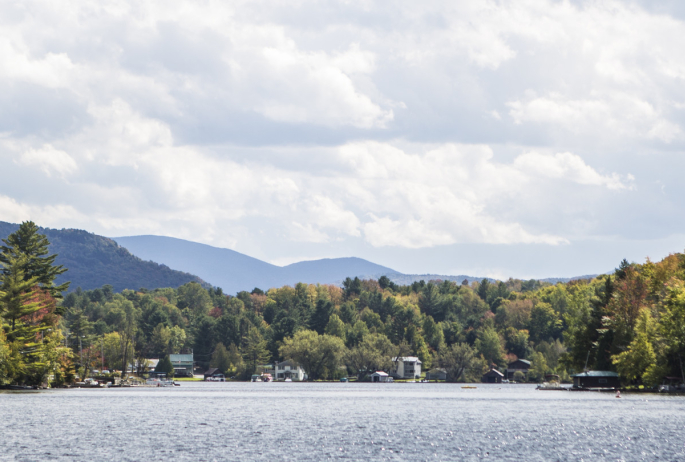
494, 376
596, 379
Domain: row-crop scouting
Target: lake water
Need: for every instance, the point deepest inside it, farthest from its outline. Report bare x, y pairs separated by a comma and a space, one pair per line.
339, 421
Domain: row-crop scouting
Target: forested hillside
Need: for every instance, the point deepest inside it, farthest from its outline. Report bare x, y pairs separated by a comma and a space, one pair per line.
94, 261
630, 322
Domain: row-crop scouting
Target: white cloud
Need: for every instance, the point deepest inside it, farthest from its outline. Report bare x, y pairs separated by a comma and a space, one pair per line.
49, 160
270, 125
570, 167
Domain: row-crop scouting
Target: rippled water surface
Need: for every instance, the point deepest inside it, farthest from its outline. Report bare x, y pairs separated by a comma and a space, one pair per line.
342, 421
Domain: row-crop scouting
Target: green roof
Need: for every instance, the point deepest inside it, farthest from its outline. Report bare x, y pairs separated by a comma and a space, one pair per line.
597, 374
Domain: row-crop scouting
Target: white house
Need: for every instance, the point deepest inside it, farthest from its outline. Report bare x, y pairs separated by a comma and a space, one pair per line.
380, 376
289, 370
407, 367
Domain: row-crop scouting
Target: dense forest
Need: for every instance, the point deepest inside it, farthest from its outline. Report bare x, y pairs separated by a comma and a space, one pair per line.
632, 322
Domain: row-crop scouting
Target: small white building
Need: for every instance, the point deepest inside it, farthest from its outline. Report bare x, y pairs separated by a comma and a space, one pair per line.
406, 367
289, 370
380, 376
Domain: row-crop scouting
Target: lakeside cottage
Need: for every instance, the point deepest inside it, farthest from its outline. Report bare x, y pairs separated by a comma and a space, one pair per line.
183, 365
406, 367
436, 374
380, 376
289, 370
214, 375
520, 365
596, 379
493, 376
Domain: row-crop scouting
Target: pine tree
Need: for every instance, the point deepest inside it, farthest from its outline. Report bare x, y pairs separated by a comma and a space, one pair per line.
29, 242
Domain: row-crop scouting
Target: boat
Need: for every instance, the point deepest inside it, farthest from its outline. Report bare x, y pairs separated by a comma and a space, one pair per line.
267, 378
468, 386
551, 386
256, 378
159, 379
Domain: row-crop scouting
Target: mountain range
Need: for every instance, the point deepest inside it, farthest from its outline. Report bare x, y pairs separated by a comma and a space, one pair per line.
234, 271
133, 262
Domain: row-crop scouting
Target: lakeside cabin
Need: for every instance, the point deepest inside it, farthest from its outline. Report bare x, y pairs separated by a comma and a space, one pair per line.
407, 367
183, 365
520, 365
596, 380
380, 376
493, 376
289, 370
214, 375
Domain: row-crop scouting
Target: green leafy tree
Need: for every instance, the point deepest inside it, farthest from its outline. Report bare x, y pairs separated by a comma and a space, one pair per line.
318, 355
373, 353
489, 345
458, 359
544, 323
336, 327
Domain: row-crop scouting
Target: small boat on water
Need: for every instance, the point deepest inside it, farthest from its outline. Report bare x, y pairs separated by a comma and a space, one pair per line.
159, 379
551, 386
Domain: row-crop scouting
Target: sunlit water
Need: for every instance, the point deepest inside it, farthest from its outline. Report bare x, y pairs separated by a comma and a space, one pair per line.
342, 421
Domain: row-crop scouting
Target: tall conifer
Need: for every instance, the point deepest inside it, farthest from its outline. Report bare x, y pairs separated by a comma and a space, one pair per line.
29, 242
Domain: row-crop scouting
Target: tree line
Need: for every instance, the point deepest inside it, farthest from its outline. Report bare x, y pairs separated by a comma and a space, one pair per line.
630, 322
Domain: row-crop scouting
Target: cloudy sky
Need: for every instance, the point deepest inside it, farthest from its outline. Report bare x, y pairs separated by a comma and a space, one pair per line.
528, 138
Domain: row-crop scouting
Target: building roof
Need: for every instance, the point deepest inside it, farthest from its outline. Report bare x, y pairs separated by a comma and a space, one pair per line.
211, 371
181, 358
494, 372
413, 359
520, 360
287, 362
381, 373
596, 374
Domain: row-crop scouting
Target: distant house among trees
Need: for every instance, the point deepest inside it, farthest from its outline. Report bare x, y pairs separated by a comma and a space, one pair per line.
520, 365
407, 367
289, 370
214, 375
183, 365
596, 379
436, 374
380, 376
493, 376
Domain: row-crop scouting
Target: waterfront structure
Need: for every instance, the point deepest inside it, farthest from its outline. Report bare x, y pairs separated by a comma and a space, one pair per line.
406, 367
289, 370
520, 365
183, 365
380, 376
436, 374
596, 379
493, 376
214, 375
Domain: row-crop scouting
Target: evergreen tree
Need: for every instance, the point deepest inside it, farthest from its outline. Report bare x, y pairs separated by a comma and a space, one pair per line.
221, 358
164, 365
254, 350
27, 241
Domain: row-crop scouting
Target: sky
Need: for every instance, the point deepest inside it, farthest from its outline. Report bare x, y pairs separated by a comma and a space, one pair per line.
535, 138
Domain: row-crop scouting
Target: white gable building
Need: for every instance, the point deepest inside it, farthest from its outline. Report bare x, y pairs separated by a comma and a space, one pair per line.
407, 367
